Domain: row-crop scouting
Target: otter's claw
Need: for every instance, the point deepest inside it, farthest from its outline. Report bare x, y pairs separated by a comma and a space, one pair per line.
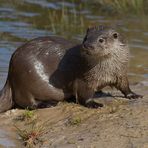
92, 104
133, 96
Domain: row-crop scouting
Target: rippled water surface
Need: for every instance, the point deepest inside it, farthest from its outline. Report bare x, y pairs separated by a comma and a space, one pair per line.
22, 20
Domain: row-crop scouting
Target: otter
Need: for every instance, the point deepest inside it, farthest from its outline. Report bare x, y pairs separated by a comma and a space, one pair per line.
53, 69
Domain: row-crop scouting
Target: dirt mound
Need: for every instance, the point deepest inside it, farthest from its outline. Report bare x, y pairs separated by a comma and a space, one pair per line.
119, 124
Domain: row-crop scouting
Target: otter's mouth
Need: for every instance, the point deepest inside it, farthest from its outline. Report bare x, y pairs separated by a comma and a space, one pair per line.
122, 44
88, 47
97, 53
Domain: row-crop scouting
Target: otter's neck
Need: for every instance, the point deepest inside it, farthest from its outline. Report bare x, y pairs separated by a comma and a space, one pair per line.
77, 63
89, 61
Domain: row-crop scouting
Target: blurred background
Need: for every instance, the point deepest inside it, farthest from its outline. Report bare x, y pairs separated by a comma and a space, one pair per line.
22, 20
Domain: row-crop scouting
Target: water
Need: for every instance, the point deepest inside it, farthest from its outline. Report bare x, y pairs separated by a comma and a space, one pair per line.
23, 20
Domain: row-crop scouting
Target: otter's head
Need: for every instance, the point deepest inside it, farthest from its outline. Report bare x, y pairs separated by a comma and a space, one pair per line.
102, 42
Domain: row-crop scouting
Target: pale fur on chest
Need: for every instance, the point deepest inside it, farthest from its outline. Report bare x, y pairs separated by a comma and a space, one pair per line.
108, 70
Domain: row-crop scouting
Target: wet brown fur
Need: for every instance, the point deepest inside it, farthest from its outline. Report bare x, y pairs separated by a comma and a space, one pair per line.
52, 69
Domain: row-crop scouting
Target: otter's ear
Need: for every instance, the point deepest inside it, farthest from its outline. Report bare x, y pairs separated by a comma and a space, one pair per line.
90, 29
95, 28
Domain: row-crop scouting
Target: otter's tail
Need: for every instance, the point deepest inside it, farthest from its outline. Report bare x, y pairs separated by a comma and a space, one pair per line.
6, 102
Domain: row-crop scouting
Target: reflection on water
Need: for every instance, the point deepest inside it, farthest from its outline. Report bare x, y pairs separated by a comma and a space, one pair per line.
27, 19
4, 140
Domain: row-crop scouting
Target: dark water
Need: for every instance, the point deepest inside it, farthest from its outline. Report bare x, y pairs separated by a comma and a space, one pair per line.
22, 20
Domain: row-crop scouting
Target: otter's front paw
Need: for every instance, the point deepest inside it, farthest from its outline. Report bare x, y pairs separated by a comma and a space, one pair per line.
133, 96
93, 104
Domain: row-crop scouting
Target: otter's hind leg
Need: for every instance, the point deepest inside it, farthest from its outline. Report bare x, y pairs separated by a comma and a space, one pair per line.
25, 100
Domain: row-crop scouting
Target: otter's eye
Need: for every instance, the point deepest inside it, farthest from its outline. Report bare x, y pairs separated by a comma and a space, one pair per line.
115, 35
101, 40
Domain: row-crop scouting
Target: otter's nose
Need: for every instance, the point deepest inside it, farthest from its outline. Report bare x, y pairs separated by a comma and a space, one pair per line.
88, 46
